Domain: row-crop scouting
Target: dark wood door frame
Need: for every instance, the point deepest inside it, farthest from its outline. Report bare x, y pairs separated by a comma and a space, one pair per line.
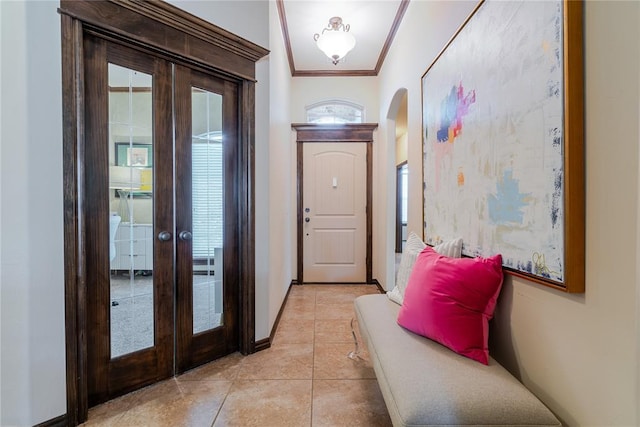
350, 132
171, 33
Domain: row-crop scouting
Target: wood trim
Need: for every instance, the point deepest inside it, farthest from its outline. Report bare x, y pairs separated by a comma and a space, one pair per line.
170, 30
265, 343
192, 25
574, 177
369, 212
334, 73
74, 261
299, 215
246, 215
262, 344
392, 34
402, 8
285, 35
351, 132
60, 421
379, 286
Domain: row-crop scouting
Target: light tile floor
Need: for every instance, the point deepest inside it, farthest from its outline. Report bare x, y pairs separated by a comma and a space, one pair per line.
304, 379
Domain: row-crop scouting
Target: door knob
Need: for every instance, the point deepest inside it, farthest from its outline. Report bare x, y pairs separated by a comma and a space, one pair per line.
164, 236
185, 235
307, 219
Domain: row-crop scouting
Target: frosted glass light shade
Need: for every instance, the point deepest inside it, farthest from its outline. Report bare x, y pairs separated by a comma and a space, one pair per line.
336, 44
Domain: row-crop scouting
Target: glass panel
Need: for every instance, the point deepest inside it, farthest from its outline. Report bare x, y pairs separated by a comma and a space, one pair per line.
131, 208
207, 205
335, 112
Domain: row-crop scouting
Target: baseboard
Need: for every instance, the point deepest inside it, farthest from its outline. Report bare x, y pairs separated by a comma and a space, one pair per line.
262, 344
265, 343
60, 421
380, 288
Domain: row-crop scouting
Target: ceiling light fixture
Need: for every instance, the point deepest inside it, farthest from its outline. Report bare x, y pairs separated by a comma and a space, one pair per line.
335, 40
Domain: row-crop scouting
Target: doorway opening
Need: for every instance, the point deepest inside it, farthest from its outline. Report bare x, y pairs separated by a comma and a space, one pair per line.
398, 182
338, 187
402, 174
402, 200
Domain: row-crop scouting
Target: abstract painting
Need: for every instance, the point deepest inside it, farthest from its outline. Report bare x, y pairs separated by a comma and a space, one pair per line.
494, 139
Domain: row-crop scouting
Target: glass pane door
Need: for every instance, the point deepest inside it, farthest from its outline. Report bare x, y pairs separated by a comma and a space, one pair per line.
207, 209
131, 210
128, 170
206, 218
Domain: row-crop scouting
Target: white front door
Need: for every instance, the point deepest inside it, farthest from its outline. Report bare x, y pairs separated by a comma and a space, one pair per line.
334, 212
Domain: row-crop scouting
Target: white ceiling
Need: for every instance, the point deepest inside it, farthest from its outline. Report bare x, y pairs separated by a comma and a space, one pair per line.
373, 24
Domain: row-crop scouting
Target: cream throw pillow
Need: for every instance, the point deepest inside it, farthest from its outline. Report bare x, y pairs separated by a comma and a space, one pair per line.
415, 245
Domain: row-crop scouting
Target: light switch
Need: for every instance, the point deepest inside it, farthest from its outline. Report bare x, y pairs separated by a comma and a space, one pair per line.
335, 182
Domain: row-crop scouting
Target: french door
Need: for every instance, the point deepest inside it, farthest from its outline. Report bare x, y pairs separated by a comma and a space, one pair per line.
160, 171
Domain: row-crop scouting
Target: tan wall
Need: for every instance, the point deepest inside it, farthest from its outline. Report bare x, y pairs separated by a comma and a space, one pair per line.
402, 140
578, 353
309, 90
402, 146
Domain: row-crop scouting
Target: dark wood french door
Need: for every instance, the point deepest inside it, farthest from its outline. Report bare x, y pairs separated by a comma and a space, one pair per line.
160, 172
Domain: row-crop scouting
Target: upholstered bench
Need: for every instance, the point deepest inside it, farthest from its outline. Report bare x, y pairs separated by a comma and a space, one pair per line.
426, 384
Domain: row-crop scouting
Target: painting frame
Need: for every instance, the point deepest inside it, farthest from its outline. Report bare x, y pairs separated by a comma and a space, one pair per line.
564, 233
138, 155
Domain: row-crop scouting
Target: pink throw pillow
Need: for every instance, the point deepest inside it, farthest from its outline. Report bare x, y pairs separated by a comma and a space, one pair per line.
451, 300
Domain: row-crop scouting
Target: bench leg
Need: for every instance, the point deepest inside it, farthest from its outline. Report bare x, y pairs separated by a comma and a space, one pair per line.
355, 354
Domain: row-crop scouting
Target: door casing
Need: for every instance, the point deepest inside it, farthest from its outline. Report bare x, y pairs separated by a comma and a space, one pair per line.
176, 35
318, 133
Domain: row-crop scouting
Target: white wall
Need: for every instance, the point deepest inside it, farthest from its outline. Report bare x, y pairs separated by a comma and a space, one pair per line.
32, 383
247, 18
578, 353
280, 158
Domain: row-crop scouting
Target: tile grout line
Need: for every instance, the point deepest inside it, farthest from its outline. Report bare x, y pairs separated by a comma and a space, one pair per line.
313, 355
226, 395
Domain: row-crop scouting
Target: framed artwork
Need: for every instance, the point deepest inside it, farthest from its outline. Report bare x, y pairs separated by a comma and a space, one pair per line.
503, 151
134, 154
140, 156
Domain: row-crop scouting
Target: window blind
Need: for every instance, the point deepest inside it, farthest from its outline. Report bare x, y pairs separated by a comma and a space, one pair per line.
207, 197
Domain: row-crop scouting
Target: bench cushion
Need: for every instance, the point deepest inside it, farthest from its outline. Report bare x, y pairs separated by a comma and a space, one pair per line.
426, 384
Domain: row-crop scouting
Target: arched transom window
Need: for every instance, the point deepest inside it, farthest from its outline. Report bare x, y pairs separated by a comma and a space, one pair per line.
335, 111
